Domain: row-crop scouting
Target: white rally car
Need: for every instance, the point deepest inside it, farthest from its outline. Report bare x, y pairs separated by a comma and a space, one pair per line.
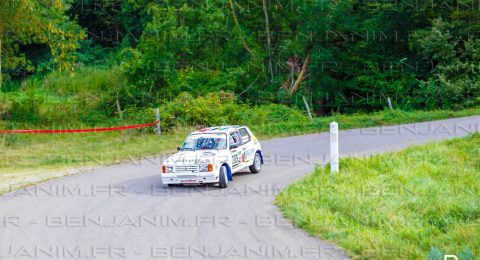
212, 155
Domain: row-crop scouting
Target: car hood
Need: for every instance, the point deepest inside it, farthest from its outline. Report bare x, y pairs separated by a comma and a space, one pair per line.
192, 157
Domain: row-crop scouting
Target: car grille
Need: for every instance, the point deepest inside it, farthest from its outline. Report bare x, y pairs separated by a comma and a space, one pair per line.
192, 168
187, 177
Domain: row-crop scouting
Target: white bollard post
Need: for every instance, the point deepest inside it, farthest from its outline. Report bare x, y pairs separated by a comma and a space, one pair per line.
157, 115
334, 168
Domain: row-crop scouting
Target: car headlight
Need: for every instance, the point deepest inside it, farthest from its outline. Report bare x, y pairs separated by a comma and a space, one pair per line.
167, 169
206, 168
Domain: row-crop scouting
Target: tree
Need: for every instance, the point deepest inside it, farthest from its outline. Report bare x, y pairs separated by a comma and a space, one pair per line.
24, 22
345, 55
109, 23
455, 79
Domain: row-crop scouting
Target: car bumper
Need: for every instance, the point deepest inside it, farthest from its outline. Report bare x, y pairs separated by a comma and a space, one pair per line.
189, 178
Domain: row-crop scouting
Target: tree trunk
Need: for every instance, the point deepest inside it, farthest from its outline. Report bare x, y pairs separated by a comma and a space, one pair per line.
308, 108
389, 102
267, 31
245, 45
301, 76
119, 110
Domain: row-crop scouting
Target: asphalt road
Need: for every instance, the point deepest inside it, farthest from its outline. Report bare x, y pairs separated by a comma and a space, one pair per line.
124, 211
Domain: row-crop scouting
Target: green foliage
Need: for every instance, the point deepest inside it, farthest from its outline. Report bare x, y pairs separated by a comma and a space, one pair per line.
220, 108
89, 80
455, 80
38, 22
109, 23
185, 48
26, 107
394, 206
268, 114
343, 56
410, 51
90, 97
63, 98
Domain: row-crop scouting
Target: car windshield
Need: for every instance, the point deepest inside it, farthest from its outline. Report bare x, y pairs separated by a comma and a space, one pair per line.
205, 142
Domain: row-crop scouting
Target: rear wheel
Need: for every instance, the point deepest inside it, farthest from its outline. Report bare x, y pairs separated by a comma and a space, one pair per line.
257, 164
223, 183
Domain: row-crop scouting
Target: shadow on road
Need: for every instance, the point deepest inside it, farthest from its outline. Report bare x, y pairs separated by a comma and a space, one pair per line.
153, 186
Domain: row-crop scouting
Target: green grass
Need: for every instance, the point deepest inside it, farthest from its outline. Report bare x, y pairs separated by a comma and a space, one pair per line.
27, 159
349, 121
395, 206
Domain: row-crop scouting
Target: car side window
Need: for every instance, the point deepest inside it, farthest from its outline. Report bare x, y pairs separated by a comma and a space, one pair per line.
235, 138
245, 136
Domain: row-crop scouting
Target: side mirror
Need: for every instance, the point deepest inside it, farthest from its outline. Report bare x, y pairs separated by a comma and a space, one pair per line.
233, 146
178, 148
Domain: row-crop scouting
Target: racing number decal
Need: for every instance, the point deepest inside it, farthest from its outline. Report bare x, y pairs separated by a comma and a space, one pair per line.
235, 160
237, 157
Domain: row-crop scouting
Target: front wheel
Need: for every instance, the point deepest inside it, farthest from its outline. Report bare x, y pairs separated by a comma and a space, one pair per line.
257, 164
223, 183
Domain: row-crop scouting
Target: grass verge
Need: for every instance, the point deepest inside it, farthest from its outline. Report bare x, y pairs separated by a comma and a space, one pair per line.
399, 205
28, 159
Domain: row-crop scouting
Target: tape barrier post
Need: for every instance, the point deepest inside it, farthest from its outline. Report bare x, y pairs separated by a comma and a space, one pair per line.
157, 115
334, 167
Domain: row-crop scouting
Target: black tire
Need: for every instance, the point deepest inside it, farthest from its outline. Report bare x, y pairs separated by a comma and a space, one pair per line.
256, 167
172, 185
223, 182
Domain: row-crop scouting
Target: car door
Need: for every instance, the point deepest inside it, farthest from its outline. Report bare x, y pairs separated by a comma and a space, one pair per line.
248, 148
235, 153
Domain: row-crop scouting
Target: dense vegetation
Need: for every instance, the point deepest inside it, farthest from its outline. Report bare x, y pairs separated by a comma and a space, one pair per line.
342, 56
395, 206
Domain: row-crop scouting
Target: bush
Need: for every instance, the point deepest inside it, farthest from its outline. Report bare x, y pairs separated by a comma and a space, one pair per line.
5, 107
62, 98
25, 107
213, 109
273, 113
221, 108
90, 98
88, 79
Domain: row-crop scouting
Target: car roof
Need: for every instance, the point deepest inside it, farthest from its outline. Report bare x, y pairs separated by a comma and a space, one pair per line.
218, 129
